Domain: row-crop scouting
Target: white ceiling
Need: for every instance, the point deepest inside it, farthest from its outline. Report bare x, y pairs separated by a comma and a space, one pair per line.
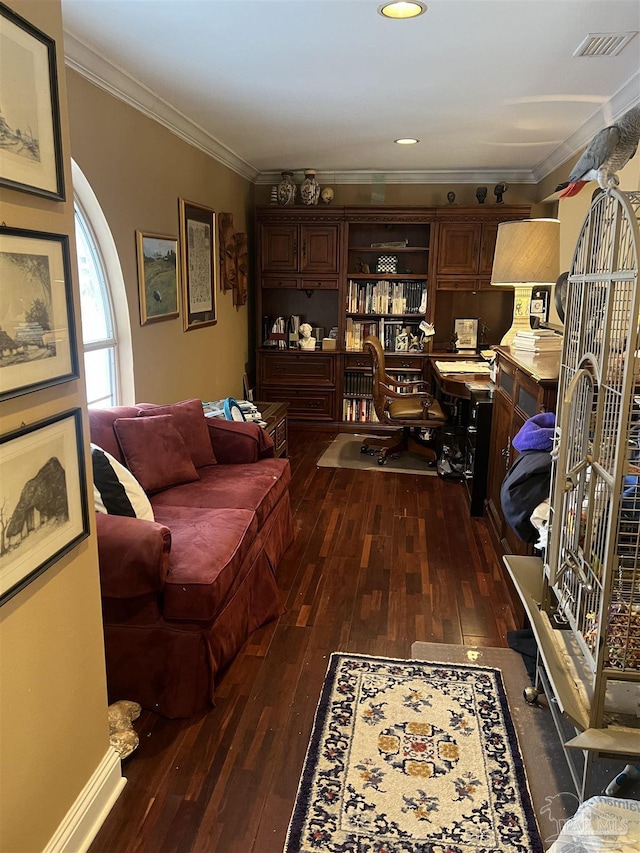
489, 87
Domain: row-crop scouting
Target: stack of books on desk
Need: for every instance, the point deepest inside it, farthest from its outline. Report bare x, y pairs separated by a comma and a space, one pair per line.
537, 340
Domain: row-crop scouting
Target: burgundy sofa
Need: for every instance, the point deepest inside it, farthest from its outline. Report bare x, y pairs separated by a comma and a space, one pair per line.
181, 594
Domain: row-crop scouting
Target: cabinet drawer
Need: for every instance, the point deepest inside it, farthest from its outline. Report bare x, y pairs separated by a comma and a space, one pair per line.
317, 283
295, 368
457, 282
357, 361
403, 362
305, 404
279, 282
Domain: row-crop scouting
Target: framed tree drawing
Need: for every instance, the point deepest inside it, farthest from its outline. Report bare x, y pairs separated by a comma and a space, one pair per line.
37, 335
157, 277
30, 138
198, 265
43, 498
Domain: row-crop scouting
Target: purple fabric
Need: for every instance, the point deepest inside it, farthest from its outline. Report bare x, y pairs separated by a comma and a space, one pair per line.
536, 433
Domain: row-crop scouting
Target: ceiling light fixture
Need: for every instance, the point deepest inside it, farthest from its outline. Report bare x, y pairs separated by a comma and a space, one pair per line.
406, 140
401, 9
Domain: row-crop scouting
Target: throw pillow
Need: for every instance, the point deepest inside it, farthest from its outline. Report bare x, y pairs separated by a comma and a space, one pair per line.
189, 420
155, 452
115, 490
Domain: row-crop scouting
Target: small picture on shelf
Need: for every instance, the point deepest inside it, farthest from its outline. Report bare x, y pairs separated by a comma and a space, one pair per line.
466, 334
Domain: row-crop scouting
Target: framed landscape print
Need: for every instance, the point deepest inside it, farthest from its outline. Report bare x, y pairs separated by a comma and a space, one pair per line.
30, 139
157, 277
37, 331
198, 265
43, 498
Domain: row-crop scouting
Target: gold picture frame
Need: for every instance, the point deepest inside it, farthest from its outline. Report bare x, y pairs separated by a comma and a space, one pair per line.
198, 265
157, 256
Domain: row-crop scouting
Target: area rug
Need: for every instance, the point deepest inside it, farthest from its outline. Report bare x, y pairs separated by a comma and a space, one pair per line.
344, 452
412, 757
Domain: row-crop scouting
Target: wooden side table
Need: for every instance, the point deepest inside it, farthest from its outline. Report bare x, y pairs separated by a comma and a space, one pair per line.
275, 415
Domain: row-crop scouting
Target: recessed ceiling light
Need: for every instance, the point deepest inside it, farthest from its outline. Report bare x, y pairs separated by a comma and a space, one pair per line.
406, 140
400, 9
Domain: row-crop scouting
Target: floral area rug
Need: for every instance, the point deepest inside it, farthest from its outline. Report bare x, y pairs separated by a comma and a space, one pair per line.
412, 757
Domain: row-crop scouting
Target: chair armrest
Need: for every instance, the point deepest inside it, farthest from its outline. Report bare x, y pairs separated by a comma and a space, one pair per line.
133, 554
418, 395
237, 442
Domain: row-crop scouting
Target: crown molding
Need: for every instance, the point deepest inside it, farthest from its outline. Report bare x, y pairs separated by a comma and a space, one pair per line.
432, 176
625, 98
100, 71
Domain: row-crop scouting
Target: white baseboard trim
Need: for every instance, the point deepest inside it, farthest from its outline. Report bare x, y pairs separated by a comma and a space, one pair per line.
85, 817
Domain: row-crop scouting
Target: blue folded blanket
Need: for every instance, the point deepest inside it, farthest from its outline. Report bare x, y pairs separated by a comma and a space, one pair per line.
536, 433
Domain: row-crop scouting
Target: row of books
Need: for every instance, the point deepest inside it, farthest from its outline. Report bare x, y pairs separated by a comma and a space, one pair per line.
386, 297
537, 340
394, 335
359, 410
359, 384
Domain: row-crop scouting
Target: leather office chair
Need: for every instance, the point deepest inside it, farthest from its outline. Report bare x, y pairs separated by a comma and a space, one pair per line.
414, 410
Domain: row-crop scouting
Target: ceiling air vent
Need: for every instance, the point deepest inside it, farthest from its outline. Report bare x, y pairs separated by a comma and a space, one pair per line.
603, 44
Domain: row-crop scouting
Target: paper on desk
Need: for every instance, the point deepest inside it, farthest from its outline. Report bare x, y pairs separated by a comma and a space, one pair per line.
463, 367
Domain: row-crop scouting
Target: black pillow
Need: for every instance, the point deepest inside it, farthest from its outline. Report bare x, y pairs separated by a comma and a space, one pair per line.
115, 490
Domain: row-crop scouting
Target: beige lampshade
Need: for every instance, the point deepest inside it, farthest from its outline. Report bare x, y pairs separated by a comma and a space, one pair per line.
527, 252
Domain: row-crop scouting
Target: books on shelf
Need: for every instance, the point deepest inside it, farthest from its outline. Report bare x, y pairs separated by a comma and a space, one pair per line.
358, 410
537, 340
380, 296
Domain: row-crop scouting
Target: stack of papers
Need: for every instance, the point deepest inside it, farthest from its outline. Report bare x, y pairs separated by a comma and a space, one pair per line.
463, 367
537, 340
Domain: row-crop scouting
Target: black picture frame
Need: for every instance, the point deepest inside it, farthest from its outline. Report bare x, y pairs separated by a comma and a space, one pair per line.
43, 498
30, 102
38, 340
199, 264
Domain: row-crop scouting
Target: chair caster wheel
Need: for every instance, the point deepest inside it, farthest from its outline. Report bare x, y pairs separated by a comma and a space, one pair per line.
381, 460
364, 449
530, 695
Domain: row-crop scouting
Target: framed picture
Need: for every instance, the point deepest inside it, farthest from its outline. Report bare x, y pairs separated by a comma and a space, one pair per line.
43, 498
37, 330
157, 277
466, 334
227, 248
31, 142
198, 265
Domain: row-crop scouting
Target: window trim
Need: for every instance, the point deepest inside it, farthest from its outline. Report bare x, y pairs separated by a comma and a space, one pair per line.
105, 245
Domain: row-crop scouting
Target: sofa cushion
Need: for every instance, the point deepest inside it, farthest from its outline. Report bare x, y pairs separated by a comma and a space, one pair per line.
208, 555
256, 486
101, 423
155, 452
115, 490
189, 420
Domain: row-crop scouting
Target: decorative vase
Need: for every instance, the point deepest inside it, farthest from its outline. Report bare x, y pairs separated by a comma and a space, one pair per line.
286, 189
310, 188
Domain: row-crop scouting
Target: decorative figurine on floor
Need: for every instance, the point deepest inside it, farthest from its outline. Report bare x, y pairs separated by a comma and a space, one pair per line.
481, 194
499, 190
122, 735
306, 341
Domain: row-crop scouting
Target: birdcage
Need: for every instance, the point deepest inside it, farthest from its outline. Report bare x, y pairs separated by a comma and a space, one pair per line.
593, 560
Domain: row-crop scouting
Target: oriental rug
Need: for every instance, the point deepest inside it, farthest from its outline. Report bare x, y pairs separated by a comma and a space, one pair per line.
412, 757
344, 452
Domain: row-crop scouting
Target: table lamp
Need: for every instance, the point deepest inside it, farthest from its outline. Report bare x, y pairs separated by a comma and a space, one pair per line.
527, 254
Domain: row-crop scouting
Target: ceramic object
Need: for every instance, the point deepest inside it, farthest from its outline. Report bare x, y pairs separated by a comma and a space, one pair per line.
273, 199
310, 188
327, 195
481, 194
451, 197
286, 190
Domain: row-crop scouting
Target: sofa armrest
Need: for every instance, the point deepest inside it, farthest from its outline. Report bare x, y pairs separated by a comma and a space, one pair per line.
133, 554
236, 441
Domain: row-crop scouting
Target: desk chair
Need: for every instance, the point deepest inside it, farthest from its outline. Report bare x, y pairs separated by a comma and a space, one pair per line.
414, 411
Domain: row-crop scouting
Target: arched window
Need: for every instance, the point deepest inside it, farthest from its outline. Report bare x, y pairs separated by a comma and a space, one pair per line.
106, 333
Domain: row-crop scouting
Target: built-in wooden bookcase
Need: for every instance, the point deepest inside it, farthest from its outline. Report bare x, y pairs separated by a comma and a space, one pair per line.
363, 270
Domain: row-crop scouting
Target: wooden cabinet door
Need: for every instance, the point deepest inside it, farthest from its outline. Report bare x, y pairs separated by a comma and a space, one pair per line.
499, 457
488, 239
319, 248
458, 248
279, 247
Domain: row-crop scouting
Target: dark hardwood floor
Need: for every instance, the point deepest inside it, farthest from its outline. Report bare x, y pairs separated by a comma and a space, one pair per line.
380, 560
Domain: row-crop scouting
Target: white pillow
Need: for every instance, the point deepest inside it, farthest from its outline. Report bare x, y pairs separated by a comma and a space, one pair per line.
115, 490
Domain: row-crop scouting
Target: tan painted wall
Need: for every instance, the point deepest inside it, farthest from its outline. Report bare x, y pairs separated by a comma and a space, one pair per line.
53, 717
138, 170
